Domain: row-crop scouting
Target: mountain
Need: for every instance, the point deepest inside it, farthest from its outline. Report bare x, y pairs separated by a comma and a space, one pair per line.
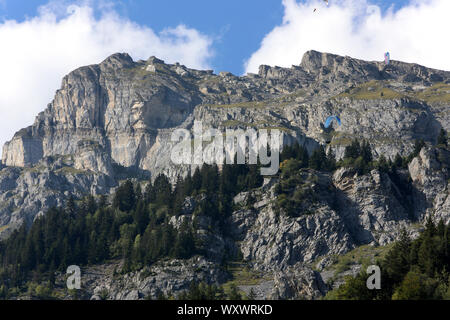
113, 121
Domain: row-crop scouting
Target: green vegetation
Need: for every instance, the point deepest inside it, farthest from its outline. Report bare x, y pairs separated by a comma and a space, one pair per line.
341, 138
202, 291
35, 169
237, 123
287, 130
242, 276
196, 291
256, 125
442, 139
291, 96
295, 191
248, 104
279, 101
140, 71
375, 90
136, 72
364, 255
438, 92
134, 228
298, 188
89, 144
372, 90
287, 99
358, 156
72, 170
410, 270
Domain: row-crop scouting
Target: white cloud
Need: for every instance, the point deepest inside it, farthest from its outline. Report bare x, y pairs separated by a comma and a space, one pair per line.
35, 54
416, 33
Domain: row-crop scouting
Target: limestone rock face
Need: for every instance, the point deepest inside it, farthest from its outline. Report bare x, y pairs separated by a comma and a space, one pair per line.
115, 120
23, 150
129, 108
168, 278
91, 156
28, 193
356, 210
299, 282
430, 172
274, 240
371, 205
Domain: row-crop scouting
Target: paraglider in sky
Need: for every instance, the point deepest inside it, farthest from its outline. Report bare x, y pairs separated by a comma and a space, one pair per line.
326, 1
327, 129
386, 58
330, 119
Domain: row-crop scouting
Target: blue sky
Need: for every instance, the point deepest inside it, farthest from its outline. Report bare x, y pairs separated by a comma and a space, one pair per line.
43, 40
236, 26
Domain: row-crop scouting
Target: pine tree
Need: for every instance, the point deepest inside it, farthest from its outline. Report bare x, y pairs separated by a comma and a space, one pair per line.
185, 243
318, 159
288, 152
382, 164
210, 178
415, 286
197, 180
330, 161
149, 193
234, 294
252, 295
430, 228
442, 138
125, 198
141, 217
399, 257
427, 253
70, 206
366, 152
187, 185
138, 192
254, 179
102, 202
303, 157
398, 161
228, 180
352, 151
163, 190
418, 145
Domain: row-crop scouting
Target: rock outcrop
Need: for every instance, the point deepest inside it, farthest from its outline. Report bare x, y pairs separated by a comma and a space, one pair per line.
430, 174
165, 278
126, 107
26, 193
121, 113
114, 120
299, 282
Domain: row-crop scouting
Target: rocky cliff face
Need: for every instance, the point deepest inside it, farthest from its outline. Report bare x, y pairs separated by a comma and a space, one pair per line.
27, 193
126, 107
352, 210
114, 120
430, 175
293, 257
121, 113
